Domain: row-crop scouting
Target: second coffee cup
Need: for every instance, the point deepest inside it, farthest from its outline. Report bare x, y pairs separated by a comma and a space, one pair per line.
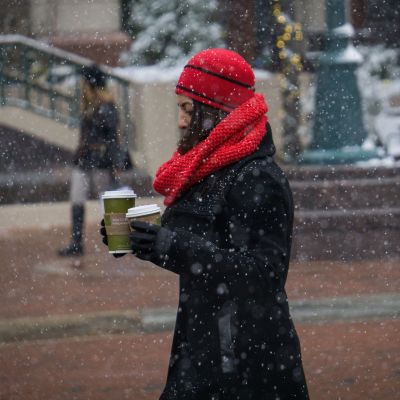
150, 213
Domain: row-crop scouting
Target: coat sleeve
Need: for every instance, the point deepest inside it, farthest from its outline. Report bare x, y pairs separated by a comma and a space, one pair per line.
259, 231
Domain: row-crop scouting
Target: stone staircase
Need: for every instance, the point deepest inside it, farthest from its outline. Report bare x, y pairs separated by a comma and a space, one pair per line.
346, 212
34, 170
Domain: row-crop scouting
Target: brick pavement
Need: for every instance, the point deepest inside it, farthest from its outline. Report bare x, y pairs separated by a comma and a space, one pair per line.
35, 282
343, 360
353, 361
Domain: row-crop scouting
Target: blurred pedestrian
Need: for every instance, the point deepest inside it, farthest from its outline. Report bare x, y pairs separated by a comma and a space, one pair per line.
99, 159
227, 233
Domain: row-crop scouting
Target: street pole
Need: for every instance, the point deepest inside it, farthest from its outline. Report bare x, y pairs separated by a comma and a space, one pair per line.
338, 130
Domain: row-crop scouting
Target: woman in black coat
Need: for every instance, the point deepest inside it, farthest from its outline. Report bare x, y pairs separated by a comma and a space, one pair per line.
97, 159
227, 232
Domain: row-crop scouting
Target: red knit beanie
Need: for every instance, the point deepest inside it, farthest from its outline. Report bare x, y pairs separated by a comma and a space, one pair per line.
217, 77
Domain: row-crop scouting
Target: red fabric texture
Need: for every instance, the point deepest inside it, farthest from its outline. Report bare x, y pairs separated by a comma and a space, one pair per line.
217, 77
235, 137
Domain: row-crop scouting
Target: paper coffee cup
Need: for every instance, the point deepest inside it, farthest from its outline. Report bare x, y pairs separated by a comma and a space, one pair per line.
149, 213
116, 204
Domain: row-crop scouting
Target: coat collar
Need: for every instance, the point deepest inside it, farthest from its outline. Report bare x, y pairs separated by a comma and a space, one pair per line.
266, 147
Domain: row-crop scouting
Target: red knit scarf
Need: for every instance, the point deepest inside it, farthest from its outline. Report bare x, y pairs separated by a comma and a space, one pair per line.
234, 138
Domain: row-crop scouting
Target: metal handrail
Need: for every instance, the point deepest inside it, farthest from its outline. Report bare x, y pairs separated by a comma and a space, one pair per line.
29, 80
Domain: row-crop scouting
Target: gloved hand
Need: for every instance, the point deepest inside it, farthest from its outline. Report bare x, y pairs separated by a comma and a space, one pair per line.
105, 240
143, 239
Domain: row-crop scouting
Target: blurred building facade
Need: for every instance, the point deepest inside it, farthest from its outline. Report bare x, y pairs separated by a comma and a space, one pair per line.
91, 28
98, 29
375, 22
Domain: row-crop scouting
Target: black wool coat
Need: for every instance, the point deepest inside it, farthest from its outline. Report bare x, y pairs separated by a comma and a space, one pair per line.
234, 337
99, 146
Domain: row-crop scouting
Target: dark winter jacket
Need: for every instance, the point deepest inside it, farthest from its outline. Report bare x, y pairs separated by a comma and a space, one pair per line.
234, 338
98, 145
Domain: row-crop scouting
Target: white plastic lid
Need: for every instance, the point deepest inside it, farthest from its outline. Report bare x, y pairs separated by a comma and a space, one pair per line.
143, 210
118, 194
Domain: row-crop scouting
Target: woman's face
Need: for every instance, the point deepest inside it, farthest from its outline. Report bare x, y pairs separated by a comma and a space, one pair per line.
195, 122
185, 111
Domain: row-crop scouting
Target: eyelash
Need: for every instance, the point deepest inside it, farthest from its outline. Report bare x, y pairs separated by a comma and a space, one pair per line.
189, 112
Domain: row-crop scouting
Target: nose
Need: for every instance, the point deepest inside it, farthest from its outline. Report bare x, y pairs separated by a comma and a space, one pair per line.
183, 120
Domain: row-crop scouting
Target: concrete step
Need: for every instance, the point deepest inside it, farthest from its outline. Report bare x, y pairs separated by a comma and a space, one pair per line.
340, 172
344, 194
346, 235
346, 212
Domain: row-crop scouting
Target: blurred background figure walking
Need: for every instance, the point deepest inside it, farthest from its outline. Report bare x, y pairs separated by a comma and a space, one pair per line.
99, 159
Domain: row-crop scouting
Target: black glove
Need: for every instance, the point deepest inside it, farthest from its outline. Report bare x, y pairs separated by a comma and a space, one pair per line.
143, 239
105, 240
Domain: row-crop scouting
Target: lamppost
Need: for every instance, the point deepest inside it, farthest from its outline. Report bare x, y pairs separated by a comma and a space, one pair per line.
338, 130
